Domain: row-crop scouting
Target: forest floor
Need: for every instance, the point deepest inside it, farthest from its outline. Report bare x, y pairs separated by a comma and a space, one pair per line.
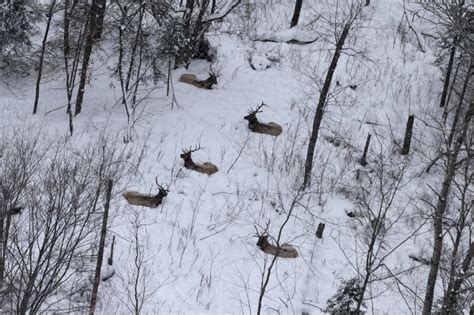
199, 247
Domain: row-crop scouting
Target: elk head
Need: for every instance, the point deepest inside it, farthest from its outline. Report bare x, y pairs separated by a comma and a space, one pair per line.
262, 242
186, 156
162, 191
252, 115
214, 73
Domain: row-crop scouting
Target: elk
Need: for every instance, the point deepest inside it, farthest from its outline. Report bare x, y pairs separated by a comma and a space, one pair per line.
270, 128
139, 199
283, 251
206, 168
203, 84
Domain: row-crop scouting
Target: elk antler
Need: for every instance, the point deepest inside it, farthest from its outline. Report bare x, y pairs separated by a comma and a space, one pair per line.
215, 70
265, 231
191, 150
257, 110
161, 187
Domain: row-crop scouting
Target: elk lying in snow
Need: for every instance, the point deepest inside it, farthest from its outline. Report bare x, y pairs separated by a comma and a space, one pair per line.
203, 84
270, 128
283, 251
206, 168
139, 199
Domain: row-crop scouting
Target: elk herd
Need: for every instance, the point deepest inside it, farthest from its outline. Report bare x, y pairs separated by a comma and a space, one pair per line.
270, 128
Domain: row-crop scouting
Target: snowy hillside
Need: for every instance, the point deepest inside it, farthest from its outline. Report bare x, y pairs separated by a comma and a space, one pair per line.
196, 252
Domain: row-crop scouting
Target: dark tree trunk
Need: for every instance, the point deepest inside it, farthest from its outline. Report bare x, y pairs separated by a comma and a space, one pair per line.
92, 29
2, 248
100, 19
100, 254
367, 2
450, 297
41, 60
213, 6
320, 108
296, 13
453, 84
447, 77
363, 159
189, 12
110, 260
320, 230
441, 206
408, 135
458, 109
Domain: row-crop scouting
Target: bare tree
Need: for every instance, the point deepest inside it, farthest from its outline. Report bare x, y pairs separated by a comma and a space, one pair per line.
269, 264
463, 114
100, 254
296, 13
48, 242
49, 17
21, 155
72, 50
91, 35
197, 19
139, 282
460, 247
354, 13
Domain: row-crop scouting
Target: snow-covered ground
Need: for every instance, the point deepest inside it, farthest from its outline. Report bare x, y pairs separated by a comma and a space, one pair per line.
199, 246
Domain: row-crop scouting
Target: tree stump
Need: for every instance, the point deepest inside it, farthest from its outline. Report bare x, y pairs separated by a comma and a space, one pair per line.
408, 135
320, 230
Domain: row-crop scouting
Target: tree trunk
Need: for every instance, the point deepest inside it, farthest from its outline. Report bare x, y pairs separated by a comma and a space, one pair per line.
408, 135
448, 76
189, 12
296, 13
441, 206
100, 19
2, 248
41, 60
92, 29
456, 279
363, 159
110, 260
100, 254
213, 6
320, 230
450, 300
320, 108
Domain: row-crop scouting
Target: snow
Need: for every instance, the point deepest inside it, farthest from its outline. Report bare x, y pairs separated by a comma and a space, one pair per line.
199, 246
260, 63
286, 36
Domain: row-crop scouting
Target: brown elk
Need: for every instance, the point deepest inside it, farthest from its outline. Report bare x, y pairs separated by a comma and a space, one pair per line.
203, 84
139, 199
270, 128
283, 251
206, 168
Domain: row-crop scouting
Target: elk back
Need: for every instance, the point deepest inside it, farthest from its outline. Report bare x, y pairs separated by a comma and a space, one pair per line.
191, 79
139, 199
207, 168
270, 128
284, 251
188, 78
